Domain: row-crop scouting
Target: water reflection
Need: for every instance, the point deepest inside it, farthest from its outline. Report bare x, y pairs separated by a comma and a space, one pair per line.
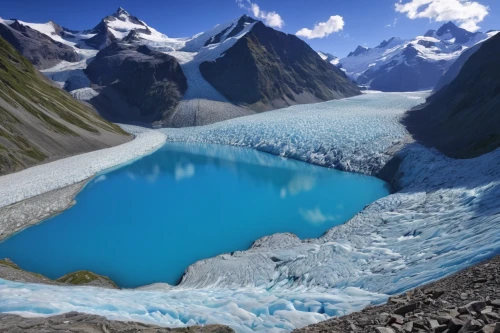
180, 161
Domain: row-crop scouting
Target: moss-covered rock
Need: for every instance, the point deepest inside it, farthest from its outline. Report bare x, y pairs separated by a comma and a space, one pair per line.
87, 278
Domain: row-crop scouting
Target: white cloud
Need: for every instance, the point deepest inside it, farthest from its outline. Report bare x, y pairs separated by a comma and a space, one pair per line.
335, 23
271, 19
184, 172
467, 13
315, 215
297, 185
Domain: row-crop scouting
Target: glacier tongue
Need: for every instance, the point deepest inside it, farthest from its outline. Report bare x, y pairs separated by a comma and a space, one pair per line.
444, 218
350, 134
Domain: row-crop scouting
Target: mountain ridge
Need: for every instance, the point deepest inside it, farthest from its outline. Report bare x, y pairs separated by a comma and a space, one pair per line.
410, 65
205, 100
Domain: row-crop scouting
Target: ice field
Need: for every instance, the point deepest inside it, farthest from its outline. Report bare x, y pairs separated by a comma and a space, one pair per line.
351, 134
445, 217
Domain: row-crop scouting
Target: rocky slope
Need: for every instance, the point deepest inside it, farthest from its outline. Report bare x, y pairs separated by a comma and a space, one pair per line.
39, 122
468, 301
135, 84
267, 69
410, 65
462, 119
80, 322
41, 50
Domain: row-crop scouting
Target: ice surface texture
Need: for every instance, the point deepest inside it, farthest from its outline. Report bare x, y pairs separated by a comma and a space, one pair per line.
350, 134
446, 217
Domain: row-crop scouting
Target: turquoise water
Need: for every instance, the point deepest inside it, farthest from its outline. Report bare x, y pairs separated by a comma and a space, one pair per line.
148, 221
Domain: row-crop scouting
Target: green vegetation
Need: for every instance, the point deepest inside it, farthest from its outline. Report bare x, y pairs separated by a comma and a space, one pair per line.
9, 263
83, 277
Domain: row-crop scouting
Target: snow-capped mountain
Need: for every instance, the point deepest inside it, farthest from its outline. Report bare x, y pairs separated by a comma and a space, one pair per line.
234, 69
409, 65
328, 57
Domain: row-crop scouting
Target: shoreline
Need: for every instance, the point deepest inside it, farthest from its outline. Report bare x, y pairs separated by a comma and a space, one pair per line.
38, 193
42, 207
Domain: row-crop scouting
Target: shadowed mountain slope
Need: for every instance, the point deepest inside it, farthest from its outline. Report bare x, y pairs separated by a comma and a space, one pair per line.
463, 118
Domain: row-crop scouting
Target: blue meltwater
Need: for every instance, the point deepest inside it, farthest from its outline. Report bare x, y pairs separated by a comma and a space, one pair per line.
147, 221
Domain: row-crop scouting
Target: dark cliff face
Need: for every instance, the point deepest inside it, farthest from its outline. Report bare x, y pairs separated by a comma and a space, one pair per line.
41, 50
149, 83
463, 118
455, 68
268, 69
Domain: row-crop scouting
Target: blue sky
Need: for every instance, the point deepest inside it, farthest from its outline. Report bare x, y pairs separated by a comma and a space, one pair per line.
365, 22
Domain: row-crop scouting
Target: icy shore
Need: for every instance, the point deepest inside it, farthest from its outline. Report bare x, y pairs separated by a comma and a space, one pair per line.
54, 175
445, 217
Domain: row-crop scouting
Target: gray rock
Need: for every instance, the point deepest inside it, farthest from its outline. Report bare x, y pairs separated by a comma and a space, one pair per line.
79, 322
455, 325
471, 326
405, 309
384, 330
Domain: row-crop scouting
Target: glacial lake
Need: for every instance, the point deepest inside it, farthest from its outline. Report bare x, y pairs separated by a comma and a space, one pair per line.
147, 221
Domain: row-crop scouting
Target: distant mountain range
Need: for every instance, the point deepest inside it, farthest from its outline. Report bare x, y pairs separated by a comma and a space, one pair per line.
133, 73
462, 118
410, 65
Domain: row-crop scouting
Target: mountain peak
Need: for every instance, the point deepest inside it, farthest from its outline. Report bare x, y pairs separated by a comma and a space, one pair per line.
246, 19
359, 50
121, 11
450, 30
449, 27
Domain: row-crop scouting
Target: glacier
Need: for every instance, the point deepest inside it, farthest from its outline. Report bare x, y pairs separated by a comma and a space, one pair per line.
352, 134
445, 216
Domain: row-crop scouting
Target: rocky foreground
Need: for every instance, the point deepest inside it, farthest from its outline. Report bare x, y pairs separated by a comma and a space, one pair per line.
80, 322
468, 301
